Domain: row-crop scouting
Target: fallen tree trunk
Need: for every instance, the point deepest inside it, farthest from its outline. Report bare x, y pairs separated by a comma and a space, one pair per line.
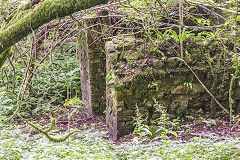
45, 12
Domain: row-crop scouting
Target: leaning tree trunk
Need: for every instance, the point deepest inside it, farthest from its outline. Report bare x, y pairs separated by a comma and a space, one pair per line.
45, 12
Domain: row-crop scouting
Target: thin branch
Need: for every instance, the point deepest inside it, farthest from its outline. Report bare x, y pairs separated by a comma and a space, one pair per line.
212, 6
218, 103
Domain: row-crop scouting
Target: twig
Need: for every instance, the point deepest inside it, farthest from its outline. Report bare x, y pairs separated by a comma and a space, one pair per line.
212, 6
180, 28
4, 84
213, 12
236, 124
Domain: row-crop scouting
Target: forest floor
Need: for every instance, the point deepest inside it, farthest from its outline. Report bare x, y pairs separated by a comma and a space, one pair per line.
198, 138
189, 127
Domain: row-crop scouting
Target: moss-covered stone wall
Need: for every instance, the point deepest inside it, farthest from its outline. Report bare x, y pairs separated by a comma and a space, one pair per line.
97, 80
133, 78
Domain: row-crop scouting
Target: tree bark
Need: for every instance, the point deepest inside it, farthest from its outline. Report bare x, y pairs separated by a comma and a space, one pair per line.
45, 12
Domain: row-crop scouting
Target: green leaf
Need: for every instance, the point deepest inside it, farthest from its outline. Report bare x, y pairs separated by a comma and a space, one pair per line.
184, 34
175, 134
175, 35
225, 11
73, 71
166, 33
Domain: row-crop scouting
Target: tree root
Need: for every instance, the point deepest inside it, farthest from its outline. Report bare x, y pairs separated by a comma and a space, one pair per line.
51, 127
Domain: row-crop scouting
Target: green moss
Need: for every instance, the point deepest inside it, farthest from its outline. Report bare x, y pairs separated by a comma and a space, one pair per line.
3, 57
52, 126
181, 111
45, 12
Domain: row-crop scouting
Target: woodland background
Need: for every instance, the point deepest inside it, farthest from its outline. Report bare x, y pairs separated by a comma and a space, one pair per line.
41, 112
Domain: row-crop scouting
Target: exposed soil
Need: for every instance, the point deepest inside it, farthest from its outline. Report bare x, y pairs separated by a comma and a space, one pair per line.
197, 126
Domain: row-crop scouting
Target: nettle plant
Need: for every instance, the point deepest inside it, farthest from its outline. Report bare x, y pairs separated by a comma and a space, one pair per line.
158, 128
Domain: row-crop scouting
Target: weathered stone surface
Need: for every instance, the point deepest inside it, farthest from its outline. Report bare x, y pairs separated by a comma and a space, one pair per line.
92, 65
236, 92
237, 108
178, 102
111, 49
149, 104
124, 119
147, 81
126, 113
180, 90
159, 72
144, 112
155, 116
120, 103
197, 88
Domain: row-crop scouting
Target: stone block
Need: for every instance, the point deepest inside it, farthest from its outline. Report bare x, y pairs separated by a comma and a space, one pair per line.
179, 103
149, 104
237, 108
159, 72
120, 103
160, 95
236, 93
144, 112
124, 118
183, 90
126, 113
155, 116
197, 88
128, 92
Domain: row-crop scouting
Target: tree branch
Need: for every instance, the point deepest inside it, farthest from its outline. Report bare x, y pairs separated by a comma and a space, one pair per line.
45, 12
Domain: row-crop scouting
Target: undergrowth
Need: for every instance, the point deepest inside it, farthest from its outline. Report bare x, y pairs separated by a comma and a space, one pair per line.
90, 144
53, 82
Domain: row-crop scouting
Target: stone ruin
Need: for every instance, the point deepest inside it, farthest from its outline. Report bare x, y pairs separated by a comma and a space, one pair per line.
123, 77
